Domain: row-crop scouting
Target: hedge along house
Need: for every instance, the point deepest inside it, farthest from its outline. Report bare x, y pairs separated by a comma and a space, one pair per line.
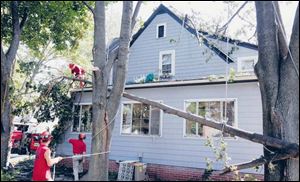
172, 147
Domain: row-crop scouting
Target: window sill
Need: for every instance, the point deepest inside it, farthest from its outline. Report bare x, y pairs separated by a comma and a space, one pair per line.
204, 138
146, 136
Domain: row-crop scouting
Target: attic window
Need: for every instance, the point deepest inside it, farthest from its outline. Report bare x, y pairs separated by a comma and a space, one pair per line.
161, 30
246, 64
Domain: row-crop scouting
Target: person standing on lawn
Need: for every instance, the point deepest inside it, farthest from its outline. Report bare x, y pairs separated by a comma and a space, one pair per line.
43, 160
79, 148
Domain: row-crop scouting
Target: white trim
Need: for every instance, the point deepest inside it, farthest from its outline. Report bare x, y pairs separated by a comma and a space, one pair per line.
183, 82
209, 100
165, 30
161, 53
240, 61
130, 134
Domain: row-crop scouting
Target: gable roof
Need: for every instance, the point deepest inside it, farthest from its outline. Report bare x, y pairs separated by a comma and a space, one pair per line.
163, 9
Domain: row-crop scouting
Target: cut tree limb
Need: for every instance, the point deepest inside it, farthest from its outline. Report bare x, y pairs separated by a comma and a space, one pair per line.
257, 162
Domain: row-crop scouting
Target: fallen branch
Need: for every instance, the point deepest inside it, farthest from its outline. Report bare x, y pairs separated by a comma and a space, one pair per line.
257, 162
291, 149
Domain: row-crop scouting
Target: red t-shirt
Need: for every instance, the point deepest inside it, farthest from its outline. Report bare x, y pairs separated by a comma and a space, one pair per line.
78, 146
41, 170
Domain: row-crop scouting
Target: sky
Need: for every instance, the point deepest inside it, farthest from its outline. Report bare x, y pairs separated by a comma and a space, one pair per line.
208, 10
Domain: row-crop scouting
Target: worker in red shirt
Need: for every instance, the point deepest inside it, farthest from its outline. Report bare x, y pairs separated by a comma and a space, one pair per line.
43, 160
79, 148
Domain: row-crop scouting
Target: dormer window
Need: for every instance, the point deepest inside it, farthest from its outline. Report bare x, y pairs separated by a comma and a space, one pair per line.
161, 30
246, 64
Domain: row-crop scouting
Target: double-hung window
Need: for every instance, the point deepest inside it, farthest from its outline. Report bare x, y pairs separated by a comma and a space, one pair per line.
167, 63
212, 109
140, 119
82, 118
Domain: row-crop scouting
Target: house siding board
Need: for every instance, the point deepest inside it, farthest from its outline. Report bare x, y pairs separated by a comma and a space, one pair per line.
172, 148
144, 53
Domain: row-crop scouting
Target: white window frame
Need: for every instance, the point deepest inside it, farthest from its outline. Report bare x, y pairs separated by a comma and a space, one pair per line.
80, 110
161, 53
165, 30
242, 59
210, 100
134, 135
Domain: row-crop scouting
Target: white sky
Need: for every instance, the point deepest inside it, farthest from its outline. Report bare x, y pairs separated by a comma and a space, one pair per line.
207, 10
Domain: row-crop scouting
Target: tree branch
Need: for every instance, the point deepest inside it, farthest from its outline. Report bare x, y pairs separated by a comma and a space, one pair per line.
135, 14
121, 64
88, 6
257, 162
224, 27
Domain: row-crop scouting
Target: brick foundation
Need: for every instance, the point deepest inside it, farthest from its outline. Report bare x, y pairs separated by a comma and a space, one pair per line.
171, 173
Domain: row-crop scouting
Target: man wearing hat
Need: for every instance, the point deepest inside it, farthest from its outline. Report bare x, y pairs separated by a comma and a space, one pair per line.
43, 160
79, 148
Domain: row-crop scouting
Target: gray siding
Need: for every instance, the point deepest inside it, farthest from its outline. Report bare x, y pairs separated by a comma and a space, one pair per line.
172, 148
190, 58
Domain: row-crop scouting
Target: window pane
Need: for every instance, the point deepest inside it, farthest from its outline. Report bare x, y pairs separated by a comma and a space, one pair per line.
161, 31
214, 111
86, 119
191, 125
137, 109
76, 118
230, 117
166, 59
136, 126
203, 109
166, 68
145, 120
155, 120
127, 117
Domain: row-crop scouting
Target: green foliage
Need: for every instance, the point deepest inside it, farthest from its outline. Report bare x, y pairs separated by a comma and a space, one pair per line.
61, 22
55, 102
231, 75
7, 176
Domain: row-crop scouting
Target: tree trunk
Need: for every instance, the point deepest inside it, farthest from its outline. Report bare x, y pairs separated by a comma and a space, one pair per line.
102, 104
98, 166
288, 101
7, 61
279, 86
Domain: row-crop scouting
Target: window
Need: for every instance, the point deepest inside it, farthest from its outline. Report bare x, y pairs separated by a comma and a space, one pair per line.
161, 30
140, 119
82, 118
167, 63
246, 64
210, 109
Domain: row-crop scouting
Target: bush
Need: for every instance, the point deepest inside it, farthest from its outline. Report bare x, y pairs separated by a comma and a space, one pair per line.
7, 176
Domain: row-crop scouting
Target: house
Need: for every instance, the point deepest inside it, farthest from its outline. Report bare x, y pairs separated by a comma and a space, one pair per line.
184, 78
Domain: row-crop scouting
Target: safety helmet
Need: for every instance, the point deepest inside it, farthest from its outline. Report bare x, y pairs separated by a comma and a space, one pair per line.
81, 136
46, 136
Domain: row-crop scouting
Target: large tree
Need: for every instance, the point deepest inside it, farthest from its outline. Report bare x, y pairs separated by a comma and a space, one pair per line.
105, 105
278, 74
34, 23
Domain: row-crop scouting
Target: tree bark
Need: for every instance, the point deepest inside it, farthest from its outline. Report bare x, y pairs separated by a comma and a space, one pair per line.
288, 100
98, 166
7, 61
279, 86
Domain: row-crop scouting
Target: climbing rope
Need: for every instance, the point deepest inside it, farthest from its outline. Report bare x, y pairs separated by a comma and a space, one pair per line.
85, 155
